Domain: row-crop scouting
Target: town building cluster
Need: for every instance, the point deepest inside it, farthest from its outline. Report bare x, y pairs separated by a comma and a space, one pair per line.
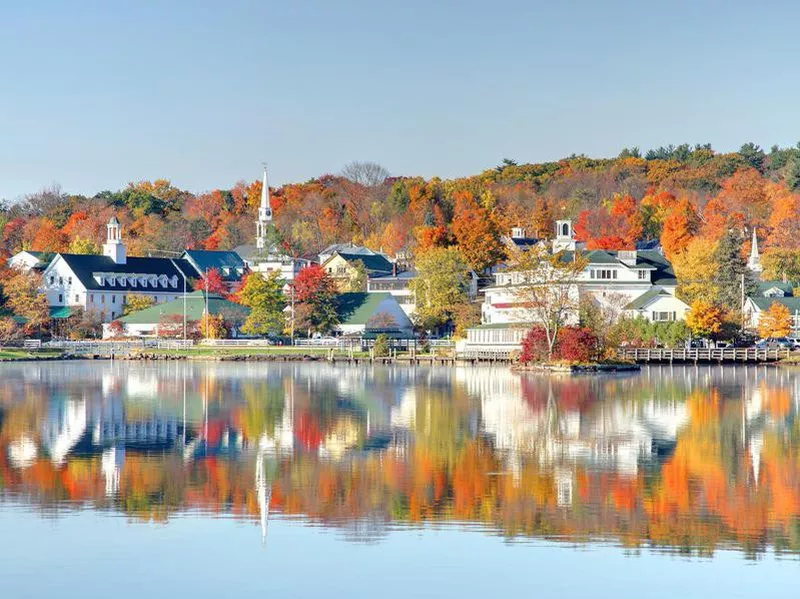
639, 282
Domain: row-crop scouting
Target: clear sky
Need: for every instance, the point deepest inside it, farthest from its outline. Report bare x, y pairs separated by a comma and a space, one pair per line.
97, 94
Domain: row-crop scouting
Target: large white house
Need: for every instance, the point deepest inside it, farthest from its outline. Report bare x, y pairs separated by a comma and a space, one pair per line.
625, 282
631, 282
103, 283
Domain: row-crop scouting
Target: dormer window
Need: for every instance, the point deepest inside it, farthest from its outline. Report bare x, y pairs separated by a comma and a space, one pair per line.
162, 280
100, 279
132, 280
174, 281
642, 275
153, 280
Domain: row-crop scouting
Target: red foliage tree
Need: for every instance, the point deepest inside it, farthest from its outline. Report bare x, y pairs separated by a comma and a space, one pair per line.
311, 282
617, 227
213, 283
534, 346
577, 344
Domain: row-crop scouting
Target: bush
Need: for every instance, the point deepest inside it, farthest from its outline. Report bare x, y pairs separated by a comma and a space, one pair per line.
534, 346
574, 344
382, 346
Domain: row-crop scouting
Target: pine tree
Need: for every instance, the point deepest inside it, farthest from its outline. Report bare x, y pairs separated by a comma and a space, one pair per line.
793, 174
732, 271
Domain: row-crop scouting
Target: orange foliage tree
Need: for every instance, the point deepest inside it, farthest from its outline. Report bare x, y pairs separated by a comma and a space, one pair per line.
617, 227
776, 321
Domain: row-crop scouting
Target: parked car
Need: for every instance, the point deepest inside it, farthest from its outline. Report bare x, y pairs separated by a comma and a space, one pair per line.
794, 343
774, 343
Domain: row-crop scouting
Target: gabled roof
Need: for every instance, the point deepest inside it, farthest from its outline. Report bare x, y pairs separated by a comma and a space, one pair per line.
647, 298
347, 248
763, 303
359, 308
764, 286
85, 265
195, 307
228, 263
372, 262
652, 260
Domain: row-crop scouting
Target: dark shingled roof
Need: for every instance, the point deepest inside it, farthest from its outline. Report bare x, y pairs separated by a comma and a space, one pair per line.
221, 260
85, 265
763, 303
373, 263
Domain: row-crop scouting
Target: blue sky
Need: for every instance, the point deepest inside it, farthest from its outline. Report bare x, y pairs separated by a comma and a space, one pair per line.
97, 94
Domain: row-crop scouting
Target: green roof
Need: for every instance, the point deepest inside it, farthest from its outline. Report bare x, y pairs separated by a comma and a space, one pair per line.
60, 312
643, 300
764, 286
763, 303
195, 307
358, 308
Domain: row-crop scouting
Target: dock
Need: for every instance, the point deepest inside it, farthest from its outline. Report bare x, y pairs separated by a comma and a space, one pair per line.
697, 356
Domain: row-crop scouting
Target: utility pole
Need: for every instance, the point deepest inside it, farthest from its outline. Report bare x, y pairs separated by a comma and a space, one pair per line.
292, 325
206, 312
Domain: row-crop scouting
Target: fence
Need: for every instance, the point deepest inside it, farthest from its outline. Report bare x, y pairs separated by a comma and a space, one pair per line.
702, 355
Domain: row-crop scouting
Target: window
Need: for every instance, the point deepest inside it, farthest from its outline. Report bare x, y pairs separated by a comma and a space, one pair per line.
642, 274
664, 316
69, 281
603, 274
60, 298
60, 280
77, 298
102, 299
91, 297
51, 279
113, 299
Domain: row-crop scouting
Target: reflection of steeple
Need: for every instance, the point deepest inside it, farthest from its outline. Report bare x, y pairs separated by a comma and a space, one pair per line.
756, 444
264, 494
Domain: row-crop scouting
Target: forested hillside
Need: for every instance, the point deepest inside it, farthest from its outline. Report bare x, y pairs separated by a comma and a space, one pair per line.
675, 194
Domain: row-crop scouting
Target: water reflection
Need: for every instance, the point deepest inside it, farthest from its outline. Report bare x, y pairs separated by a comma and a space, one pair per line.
680, 459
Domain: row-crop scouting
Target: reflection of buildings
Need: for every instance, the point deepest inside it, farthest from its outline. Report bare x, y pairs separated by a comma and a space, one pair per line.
601, 435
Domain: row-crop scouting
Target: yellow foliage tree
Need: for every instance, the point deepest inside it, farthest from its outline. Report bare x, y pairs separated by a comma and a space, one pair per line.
213, 327
775, 321
136, 302
704, 318
695, 268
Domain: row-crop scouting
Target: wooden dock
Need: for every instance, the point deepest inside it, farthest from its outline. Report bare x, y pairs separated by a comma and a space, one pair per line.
727, 355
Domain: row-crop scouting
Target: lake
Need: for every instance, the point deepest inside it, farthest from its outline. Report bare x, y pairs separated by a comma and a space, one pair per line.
307, 480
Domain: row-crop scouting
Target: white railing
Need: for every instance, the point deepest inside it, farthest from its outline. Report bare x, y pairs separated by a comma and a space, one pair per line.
175, 344
236, 342
702, 355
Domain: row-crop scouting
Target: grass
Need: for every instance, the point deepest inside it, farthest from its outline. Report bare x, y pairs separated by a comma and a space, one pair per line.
25, 354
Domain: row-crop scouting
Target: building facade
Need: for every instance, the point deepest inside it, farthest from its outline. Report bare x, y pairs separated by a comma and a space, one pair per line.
103, 283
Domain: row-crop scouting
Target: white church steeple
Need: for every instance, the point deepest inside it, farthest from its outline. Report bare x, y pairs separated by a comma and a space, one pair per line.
264, 214
113, 247
754, 261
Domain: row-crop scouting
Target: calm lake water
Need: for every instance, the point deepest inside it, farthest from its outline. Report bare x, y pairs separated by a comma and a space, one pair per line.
308, 480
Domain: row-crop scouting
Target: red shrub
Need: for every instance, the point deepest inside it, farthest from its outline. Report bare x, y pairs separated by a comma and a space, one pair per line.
534, 346
576, 344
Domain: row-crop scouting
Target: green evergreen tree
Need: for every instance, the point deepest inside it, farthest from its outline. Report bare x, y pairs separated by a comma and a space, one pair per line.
793, 174
732, 271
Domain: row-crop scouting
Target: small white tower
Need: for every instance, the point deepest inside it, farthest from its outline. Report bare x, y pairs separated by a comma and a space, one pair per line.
565, 240
754, 261
264, 214
113, 247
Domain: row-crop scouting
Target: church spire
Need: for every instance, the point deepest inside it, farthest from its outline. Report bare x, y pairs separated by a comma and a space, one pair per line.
264, 214
754, 262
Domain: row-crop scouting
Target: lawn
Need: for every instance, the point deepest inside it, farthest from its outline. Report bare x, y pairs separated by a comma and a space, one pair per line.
25, 354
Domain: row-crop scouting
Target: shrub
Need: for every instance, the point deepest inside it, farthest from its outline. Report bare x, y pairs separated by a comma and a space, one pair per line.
382, 346
534, 346
576, 344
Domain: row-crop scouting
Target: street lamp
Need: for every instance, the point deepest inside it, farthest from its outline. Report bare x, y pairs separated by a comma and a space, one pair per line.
184, 297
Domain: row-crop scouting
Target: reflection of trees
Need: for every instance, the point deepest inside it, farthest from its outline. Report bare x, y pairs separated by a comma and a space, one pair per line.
731, 475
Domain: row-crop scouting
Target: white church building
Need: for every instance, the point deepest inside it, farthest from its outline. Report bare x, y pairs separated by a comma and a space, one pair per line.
103, 283
264, 257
